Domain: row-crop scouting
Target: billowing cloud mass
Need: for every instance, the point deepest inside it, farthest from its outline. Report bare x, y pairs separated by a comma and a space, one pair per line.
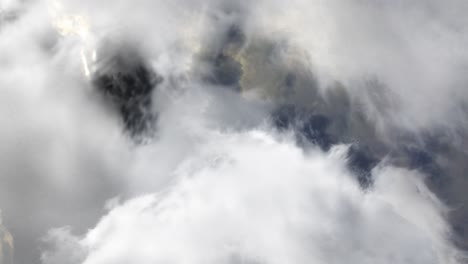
218, 131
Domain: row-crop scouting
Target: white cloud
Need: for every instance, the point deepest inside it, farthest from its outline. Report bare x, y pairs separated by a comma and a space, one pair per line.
417, 49
212, 186
249, 198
